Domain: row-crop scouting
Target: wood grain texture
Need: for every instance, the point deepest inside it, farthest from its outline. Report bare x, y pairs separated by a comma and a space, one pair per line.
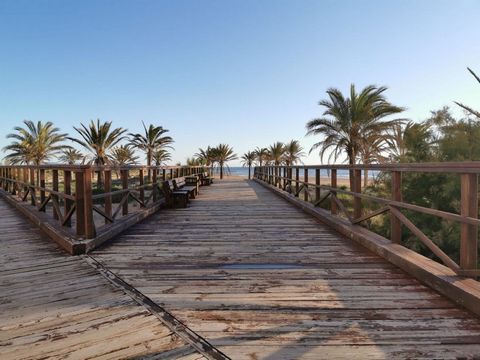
260, 279
55, 306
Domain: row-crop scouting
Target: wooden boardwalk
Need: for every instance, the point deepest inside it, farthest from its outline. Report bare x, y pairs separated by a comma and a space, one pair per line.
252, 274
261, 280
53, 305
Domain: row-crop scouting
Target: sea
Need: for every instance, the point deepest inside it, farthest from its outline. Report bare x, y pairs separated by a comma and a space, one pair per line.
243, 171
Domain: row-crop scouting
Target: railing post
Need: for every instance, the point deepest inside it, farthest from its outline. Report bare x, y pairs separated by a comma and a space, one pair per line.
396, 224
141, 183
297, 178
164, 175
469, 233
284, 177
84, 205
357, 188
67, 183
171, 174
305, 184
32, 187
317, 183
54, 188
42, 186
25, 179
333, 184
124, 176
108, 198
154, 186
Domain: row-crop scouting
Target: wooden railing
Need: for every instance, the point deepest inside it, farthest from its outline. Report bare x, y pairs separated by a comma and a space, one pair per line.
85, 201
295, 180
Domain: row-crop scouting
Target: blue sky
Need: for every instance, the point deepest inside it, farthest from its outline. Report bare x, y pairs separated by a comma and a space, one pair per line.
243, 72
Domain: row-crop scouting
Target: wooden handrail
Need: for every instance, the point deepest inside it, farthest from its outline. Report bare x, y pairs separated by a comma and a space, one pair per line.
288, 179
72, 187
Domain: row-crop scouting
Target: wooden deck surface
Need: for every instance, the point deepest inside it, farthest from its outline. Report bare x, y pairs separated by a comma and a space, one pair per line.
252, 274
262, 280
55, 306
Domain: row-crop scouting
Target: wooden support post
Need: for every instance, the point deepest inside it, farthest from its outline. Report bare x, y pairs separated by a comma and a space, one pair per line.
317, 183
42, 185
67, 189
357, 185
108, 198
333, 184
84, 204
284, 177
55, 188
80, 202
396, 224
141, 183
25, 179
297, 178
171, 174
32, 187
164, 175
305, 184
154, 186
124, 178
469, 233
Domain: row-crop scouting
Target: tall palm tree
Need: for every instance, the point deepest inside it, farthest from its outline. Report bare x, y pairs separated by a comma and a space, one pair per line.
293, 152
247, 160
151, 140
207, 156
261, 155
160, 156
123, 155
98, 138
467, 108
222, 154
276, 153
346, 120
71, 156
35, 143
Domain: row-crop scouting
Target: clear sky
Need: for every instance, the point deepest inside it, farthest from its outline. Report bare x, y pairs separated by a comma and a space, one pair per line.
243, 72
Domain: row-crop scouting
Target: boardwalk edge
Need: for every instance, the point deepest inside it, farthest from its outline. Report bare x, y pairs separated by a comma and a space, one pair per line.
462, 291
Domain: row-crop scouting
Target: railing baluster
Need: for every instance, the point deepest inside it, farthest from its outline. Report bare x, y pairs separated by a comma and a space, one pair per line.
469, 233
42, 186
305, 184
317, 183
333, 184
55, 188
395, 223
108, 198
357, 202
124, 179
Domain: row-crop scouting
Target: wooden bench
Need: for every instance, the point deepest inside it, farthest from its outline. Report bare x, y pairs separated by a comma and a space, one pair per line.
193, 180
182, 184
174, 197
205, 179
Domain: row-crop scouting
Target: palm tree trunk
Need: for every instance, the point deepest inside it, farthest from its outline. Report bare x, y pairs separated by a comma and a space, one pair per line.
365, 177
249, 170
221, 170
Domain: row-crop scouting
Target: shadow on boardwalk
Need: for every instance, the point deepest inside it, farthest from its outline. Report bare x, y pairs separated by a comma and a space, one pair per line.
261, 280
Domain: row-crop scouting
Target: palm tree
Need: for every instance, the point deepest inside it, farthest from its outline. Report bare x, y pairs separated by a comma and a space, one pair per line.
123, 155
293, 152
467, 108
36, 143
150, 141
247, 159
347, 120
193, 161
99, 139
372, 151
411, 141
222, 154
276, 153
71, 156
207, 156
161, 156
261, 155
